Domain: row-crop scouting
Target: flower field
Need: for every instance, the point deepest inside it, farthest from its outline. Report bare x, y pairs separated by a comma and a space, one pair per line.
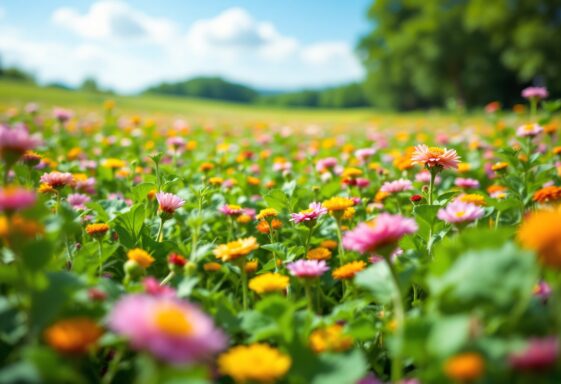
145, 250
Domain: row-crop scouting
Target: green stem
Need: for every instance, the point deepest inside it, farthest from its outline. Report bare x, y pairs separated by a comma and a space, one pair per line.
308, 239
399, 317
244, 284
340, 248
309, 295
497, 219
167, 279
160, 236
100, 257
113, 366
431, 185
6, 174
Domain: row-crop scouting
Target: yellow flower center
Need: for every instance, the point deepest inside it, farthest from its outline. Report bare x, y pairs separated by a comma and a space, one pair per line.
460, 214
435, 151
172, 321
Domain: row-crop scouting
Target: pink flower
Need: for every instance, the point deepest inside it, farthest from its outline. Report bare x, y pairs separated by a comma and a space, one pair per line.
61, 114
16, 198
171, 329
231, 210
57, 179
307, 269
176, 142
535, 93
466, 183
539, 355
361, 182
314, 211
169, 202
326, 164
542, 290
384, 230
78, 201
529, 130
460, 212
364, 153
86, 186
435, 157
153, 288
424, 177
15, 141
396, 186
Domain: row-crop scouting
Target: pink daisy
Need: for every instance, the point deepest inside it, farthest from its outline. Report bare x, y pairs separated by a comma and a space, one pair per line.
435, 157
57, 179
540, 354
384, 230
172, 330
466, 183
396, 186
307, 269
168, 202
535, 93
424, 177
314, 211
460, 212
15, 198
231, 210
78, 201
15, 141
529, 130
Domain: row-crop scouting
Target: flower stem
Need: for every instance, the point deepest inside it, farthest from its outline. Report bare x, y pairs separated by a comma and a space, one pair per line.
244, 284
160, 236
167, 279
100, 257
340, 248
399, 317
309, 295
431, 185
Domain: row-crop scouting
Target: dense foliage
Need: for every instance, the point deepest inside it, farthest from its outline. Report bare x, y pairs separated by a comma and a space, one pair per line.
422, 53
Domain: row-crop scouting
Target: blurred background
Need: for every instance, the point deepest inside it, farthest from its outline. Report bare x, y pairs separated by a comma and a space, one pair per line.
385, 54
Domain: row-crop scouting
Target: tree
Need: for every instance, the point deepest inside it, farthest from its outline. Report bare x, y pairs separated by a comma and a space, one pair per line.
421, 53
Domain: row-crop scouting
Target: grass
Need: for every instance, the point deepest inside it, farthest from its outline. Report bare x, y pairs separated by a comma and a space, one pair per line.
14, 94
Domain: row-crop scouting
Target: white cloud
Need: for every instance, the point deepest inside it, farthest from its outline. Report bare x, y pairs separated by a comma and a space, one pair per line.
126, 49
235, 31
113, 19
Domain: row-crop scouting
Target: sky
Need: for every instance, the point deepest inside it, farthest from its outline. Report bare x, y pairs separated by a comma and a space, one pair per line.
128, 45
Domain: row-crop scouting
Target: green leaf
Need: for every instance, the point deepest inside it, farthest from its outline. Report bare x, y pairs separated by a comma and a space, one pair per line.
277, 199
129, 225
37, 254
341, 368
448, 335
377, 280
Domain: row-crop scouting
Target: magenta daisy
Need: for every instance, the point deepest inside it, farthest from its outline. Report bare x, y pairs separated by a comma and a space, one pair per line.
57, 179
435, 157
314, 211
384, 230
15, 199
535, 93
459, 212
307, 269
171, 329
466, 183
529, 130
15, 141
231, 210
168, 202
396, 186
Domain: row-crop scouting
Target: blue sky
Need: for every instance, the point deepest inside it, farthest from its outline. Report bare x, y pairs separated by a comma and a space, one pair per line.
129, 44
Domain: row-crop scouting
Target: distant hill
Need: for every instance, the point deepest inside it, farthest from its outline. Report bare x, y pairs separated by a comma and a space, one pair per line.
208, 88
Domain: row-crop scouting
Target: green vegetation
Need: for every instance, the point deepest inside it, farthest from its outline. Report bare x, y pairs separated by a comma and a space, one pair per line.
423, 53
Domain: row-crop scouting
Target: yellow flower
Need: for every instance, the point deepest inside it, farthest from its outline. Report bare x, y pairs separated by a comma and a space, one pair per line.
330, 339
235, 249
473, 198
349, 270
268, 282
541, 232
97, 230
464, 367
500, 166
251, 266
256, 363
141, 257
113, 163
337, 204
463, 167
319, 253
73, 336
215, 180
349, 213
205, 167
266, 213
351, 173
244, 218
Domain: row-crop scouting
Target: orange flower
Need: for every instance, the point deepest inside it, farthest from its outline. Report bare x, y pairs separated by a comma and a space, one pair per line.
330, 339
329, 244
548, 194
73, 336
349, 270
97, 230
541, 232
464, 367
319, 253
212, 267
142, 258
